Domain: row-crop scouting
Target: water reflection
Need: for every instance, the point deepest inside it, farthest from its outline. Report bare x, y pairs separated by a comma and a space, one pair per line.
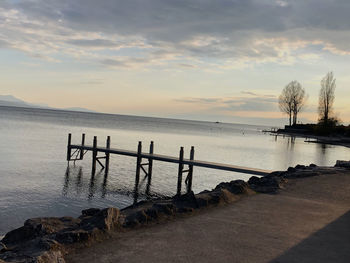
322, 152
97, 186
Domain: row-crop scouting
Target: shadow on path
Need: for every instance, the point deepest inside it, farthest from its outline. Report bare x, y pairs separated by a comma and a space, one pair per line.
330, 244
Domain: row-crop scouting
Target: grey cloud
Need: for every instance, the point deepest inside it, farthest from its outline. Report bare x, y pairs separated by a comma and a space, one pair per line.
93, 43
248, 93
226, 29
257, 103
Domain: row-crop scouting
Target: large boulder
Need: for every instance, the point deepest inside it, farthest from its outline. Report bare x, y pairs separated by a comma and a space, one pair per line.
266, 184
43, 239
39, 227
341, 163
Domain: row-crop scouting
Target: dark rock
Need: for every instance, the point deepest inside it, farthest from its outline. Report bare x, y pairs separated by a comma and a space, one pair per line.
186, 200
2, 247
208, 199
235, 187
49, 244
105, 219
90, 212
301, 174
38, 227
344, 164
300, 167
165, 208
312, 165
151, 213
291, 169
266, 184
277, 173
74, 236
135, 219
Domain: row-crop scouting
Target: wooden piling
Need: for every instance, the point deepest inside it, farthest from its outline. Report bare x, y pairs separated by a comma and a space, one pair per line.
179, 175
94, 155
138, 166
108, 146
82, 144
190, 171
69, 149
150, 164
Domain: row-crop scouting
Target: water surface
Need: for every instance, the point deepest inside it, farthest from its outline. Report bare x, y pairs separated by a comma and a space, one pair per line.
35, 180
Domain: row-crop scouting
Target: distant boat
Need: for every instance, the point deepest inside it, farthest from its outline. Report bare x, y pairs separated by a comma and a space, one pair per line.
217, 122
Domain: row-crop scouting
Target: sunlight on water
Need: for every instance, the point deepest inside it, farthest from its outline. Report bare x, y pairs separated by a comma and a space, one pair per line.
35, 180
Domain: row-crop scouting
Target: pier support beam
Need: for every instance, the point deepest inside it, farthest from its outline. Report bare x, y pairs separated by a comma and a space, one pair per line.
190, 172
150, 164
108, 146
82, 145
94, 155
69, 149
180, 171
138, 169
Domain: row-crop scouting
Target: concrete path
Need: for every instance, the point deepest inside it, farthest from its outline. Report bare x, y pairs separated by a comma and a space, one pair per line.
309, 221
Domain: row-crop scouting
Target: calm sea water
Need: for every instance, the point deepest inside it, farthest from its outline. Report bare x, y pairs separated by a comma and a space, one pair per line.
35, 180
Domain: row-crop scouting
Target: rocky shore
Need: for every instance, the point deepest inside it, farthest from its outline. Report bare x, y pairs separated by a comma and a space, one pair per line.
50, 239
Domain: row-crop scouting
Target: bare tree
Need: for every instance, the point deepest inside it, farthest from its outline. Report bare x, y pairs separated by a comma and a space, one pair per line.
285, 103
298, 99
292, 100
326, 99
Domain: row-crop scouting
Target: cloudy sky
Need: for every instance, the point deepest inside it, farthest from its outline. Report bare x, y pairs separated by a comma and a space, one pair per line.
224, 60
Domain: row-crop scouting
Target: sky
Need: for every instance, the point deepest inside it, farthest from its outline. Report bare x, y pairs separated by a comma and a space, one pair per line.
224, 60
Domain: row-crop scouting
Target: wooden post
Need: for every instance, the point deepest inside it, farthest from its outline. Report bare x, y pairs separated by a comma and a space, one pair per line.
150, 164
82, 145
190, 171
179, 175
94, 155
138, 168
69, 149
108, 146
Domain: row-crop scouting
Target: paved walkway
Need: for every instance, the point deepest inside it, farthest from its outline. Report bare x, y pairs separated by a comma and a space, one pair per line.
309, 221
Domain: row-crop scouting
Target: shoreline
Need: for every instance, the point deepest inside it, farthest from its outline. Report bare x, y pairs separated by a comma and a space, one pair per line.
338, 141
50, 239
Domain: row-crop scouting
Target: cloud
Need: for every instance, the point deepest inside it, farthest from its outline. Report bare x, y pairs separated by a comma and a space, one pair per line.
230, 33
223, 104
249, 93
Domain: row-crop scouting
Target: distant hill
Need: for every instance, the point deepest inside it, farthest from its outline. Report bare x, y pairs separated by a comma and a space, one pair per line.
79, 109
11, 101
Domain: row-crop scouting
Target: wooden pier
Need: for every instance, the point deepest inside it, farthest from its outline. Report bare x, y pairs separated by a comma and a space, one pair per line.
76, 152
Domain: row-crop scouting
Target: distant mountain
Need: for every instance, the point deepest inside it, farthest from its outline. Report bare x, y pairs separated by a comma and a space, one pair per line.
11, 101
79, 109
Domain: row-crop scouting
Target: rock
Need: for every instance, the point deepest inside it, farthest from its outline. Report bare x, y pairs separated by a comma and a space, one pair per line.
135, 219
74, 236
278, 173
90, 212
235, 187
344, 164
165, 208
291, 169
300, 167
301, 174
312, 165
49, 257
38, 227
2, 247
105, 219
49, 244
187, 200
266, 184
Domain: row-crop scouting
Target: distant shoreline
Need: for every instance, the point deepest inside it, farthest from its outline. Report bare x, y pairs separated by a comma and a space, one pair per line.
310, 138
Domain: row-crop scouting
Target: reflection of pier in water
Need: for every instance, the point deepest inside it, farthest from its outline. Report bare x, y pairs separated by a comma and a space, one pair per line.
96, 185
